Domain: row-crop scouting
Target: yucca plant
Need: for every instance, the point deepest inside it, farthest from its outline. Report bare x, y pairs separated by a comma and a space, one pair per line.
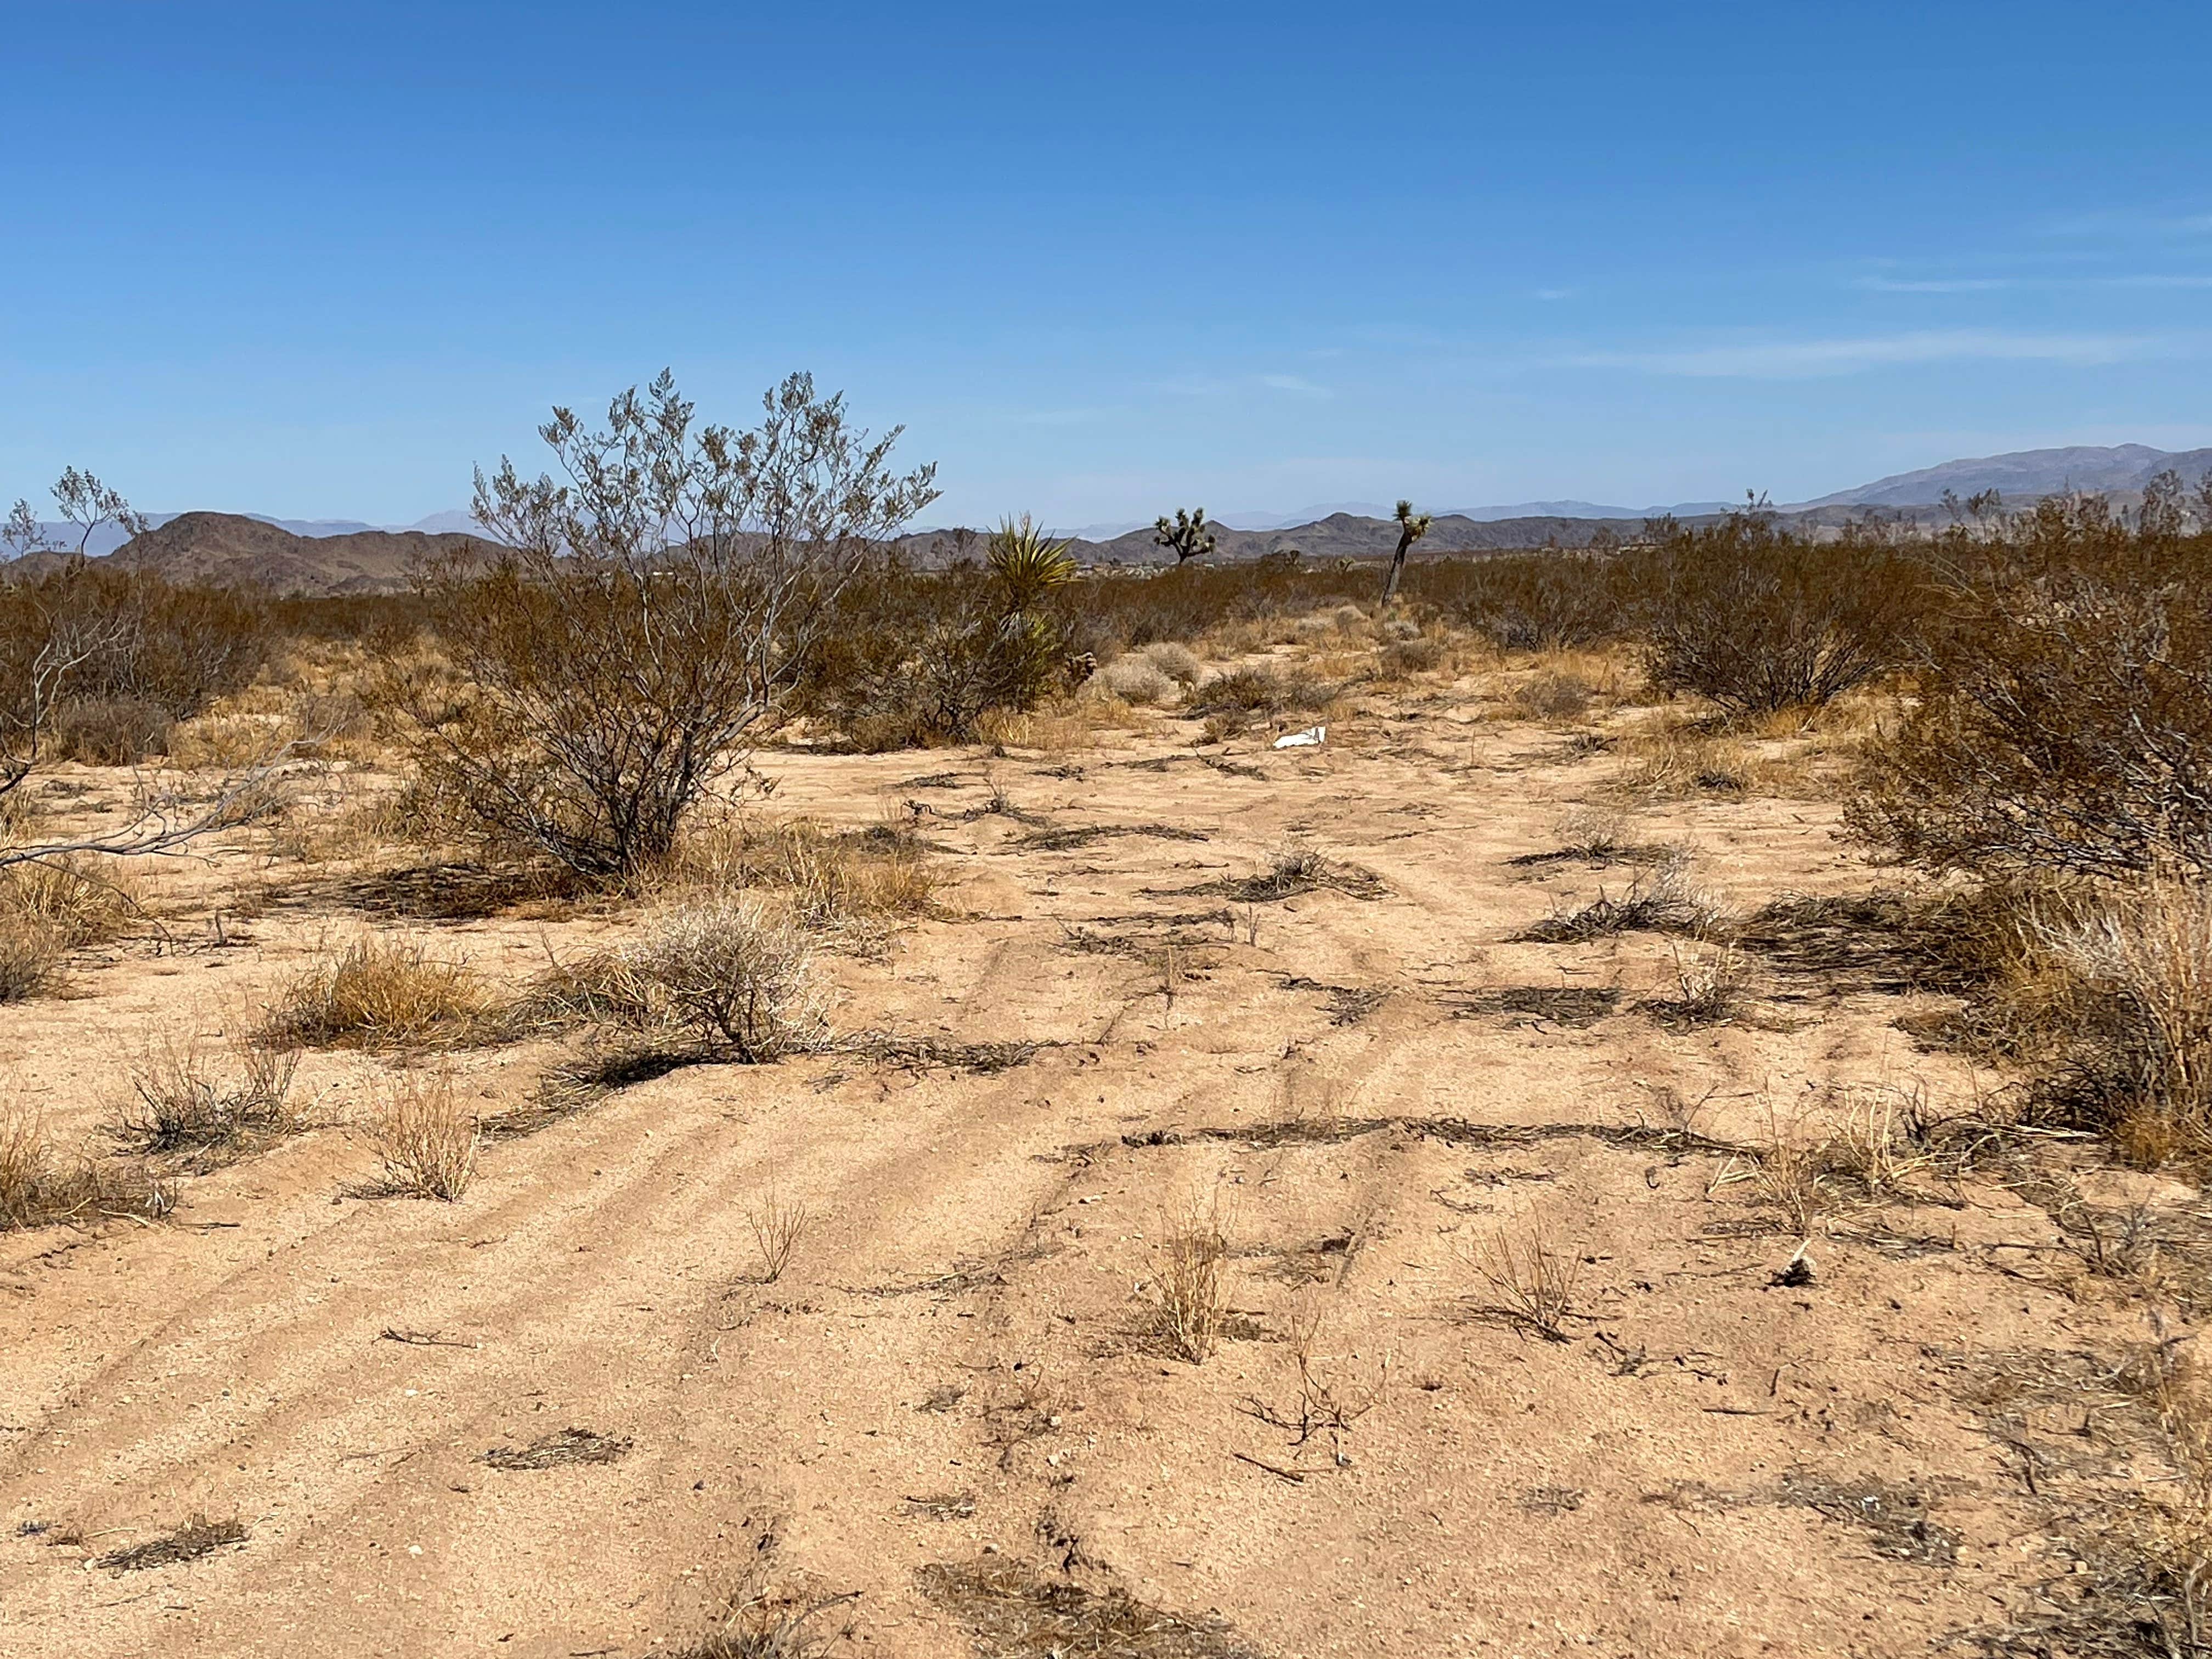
1028, 564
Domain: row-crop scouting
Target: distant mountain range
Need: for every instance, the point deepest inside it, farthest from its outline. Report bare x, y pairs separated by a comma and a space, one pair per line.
339, 555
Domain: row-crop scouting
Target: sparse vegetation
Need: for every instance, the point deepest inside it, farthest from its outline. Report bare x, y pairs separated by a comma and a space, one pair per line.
376, 993
595, 675
777, 1223
427, 1139
1192, 1295
1533, 1281
1660, 900
725, 975
196, 1537
182, 1104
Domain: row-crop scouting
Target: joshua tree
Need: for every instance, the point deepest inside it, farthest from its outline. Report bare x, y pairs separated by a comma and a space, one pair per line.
1411, 526
1188, 535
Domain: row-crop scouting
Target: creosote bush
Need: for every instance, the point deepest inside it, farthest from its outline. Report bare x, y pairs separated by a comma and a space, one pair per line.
595, 673
1757, 619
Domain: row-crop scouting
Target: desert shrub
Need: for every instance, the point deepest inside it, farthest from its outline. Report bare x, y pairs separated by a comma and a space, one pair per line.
1259, 690
1757, 619
426, 1139
375, 993
1532, 601
725, 974
2064, 721
182, 1102
601, 670
110, 731
41, 1186
1664, 899
1137, 680
1549, 695
919, 659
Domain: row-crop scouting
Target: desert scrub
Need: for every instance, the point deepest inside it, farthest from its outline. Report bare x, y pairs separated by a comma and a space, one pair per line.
850, 886
183, 1104
725, 975
427, 1139
377, 994
41, 1185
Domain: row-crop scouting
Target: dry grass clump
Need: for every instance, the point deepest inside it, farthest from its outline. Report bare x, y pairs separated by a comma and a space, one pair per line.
2139, 960
1661, 900
1673, 758
1534, 1280
1194, 1307
1016, 1611
73, 901
1552, 696
1248, 693
41, 1187
377, 992
849, 885
182, 1104
1137, 680
427, 1139
1297, 870
196, 1537
727, 974
1709, 989
1176, 660
32, 960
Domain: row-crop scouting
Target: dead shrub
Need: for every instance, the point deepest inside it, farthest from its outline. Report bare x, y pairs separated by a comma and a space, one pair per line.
196, 1537
1661, 900
181, 1102
776, 1224
1192, 1307
727, 973
427, 1139
376, 993
41, 1185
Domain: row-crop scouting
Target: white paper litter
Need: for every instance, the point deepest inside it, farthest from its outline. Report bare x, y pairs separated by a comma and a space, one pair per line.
1312, 738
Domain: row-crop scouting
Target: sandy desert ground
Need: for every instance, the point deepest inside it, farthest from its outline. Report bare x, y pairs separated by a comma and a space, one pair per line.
1830, 1368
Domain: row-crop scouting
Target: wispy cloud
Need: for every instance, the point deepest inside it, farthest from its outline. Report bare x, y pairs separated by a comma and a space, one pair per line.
1792, 359
1935, 285
1557, 293
1206, 386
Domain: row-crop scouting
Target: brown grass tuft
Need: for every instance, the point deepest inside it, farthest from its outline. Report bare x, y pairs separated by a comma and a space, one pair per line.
1192, 1296
1532, 1279
427, 1140
42, 1187
376, 993
196, 1537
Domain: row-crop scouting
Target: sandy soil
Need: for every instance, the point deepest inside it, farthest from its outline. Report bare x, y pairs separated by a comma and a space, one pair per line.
960, 1369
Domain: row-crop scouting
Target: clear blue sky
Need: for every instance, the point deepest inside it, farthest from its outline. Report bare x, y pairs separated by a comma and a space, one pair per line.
319, 259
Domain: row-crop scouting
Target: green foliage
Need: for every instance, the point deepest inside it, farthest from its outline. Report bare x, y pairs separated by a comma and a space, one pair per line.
1188, 535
